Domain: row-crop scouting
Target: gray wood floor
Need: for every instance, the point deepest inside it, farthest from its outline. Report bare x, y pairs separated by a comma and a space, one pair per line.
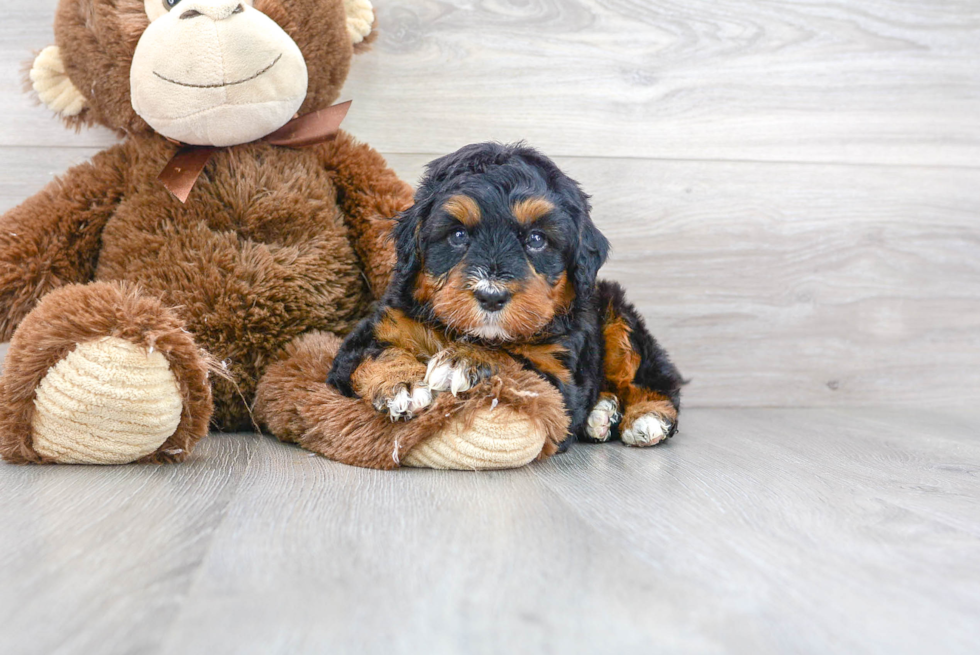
754, 531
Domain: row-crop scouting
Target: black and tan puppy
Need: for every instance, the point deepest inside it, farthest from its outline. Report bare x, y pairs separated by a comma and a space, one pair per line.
498, 260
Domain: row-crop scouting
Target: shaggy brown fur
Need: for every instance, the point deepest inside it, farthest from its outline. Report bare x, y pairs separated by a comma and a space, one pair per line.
621, 361
78, 314
297, 406
272, 243
53, 238
369, 195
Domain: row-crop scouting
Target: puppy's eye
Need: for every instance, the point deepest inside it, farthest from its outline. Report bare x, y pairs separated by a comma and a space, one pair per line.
460, 238
170, 4
536, 241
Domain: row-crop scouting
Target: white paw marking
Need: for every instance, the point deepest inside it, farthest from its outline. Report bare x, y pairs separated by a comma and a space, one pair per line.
406, 403
648, 430
446, 374
421, 398
604, 416
398, 405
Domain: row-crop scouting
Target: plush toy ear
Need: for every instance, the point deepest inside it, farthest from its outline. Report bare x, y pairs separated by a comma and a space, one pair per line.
52, 85
360, 19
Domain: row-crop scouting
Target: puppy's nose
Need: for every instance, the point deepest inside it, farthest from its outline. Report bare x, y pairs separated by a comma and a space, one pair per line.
492, 300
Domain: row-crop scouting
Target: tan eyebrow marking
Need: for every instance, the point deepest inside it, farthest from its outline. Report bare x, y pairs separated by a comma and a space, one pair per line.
464, 209
530, 210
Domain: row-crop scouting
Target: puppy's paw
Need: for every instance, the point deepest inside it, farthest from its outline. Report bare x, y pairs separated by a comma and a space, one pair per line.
648, 430
404, 401
448, 371
604, 416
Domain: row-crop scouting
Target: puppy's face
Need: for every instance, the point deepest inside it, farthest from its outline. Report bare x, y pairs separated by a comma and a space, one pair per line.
498, 243
495, 260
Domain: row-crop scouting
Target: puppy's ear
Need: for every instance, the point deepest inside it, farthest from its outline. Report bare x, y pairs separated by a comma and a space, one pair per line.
408, 245
592, 248
590, 254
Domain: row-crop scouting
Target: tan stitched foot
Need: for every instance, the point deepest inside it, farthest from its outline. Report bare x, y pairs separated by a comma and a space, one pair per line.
108, 402
496, 439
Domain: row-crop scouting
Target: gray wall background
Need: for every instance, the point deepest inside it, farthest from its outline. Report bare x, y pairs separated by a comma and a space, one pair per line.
792, 188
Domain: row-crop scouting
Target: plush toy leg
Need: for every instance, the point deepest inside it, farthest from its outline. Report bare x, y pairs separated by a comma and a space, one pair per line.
98, 374
500, 439
505, 422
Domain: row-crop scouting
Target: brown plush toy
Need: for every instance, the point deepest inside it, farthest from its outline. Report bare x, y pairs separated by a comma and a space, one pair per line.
142, 320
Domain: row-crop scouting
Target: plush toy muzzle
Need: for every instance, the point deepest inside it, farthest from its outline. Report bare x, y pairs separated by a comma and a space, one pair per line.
215, 72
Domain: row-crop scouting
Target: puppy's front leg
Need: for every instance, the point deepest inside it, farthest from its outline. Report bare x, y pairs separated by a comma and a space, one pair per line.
381, 361
393, 382
400, 365
458, 369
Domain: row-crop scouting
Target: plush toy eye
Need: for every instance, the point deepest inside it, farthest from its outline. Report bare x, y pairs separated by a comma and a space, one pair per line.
460, 238
536, 241
170, 4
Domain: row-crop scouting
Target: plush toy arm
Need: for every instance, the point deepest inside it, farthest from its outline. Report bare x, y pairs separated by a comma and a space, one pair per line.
505, 422
370, 195
53, 238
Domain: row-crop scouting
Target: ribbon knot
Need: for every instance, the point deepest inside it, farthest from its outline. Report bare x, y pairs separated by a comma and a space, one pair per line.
185, 167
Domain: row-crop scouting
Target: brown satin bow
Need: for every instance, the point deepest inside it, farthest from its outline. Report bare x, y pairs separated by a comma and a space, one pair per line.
186, 166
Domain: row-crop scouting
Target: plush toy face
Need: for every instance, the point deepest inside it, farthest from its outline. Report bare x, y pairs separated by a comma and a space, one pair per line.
215, 72
204, 72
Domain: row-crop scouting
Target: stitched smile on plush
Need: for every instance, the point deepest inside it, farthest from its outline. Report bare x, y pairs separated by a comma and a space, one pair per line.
218, 86
215, 72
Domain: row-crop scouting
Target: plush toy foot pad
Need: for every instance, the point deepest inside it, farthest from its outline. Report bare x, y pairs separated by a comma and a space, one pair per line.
495, 439
109, 401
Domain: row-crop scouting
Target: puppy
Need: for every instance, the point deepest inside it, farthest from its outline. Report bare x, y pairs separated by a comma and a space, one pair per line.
497, 260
